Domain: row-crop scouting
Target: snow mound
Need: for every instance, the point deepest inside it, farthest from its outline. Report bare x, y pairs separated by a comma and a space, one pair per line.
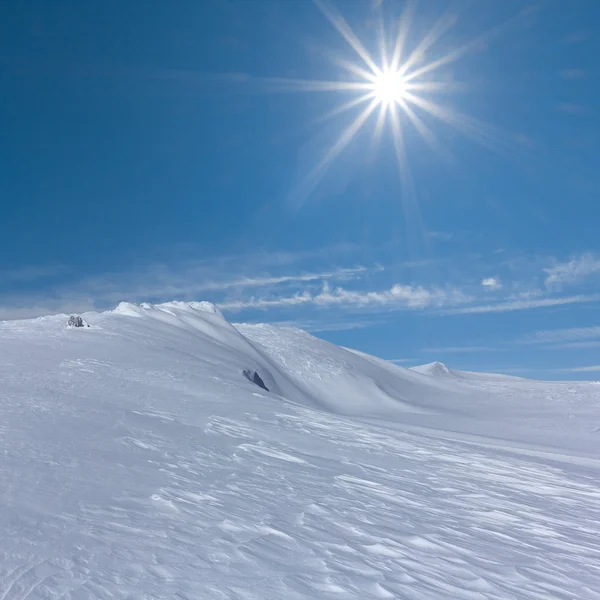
130, 309
434, 369
440, 370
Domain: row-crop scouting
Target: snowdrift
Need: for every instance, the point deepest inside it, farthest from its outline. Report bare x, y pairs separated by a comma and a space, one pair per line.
342, 381
141, 460
293, 364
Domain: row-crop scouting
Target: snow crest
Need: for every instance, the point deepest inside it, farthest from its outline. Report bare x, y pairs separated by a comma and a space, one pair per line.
145, 308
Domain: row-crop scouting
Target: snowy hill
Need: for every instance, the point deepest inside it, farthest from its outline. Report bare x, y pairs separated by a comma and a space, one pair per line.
435, 369
139, 462
438, 369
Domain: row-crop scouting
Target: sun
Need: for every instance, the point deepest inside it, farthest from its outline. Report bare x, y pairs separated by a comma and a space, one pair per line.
396, 89
389, 87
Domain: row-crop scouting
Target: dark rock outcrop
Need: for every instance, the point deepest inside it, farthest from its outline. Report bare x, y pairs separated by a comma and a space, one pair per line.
255, 378
76, 321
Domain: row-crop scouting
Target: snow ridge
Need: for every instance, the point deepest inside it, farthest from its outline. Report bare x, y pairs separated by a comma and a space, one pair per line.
145, 308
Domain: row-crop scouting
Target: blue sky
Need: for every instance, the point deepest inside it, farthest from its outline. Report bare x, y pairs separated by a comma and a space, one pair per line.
156, 151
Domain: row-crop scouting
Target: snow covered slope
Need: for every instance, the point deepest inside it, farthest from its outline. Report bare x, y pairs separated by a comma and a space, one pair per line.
138, 462
346, 382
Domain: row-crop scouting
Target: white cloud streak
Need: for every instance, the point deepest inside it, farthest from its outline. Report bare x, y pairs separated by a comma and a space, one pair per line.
29, 274
278, 281
573, 271
314, 326
590, 369
576, 345
514, 305
191, 281
187, 281
397, 297
573, 334
244, 282
459, 349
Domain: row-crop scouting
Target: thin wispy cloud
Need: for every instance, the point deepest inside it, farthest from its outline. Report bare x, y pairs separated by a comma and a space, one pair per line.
184, 280
30, 273
573, 73
244, 282
564, 335
314, 326
285, 282
459, 349
576, 37
576, 345
587, 369
397, 297
514, 305
191, 281
573, 271
571, 108
575, 338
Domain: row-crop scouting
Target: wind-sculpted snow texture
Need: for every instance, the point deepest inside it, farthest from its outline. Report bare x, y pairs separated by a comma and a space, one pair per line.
138, 462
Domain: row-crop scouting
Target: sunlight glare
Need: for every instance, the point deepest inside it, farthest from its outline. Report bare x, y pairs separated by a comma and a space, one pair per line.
389, 87
395, 84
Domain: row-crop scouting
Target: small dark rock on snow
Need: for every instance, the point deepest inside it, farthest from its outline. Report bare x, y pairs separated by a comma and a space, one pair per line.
76, 321
255, 378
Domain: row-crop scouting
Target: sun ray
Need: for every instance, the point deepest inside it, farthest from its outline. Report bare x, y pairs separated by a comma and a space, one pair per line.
473, 44
413, 223
317, 173
445, 23
435, 86
342, 108
342, 26
445, 114
440, 62
475, 129
282, 84
425, 132
403, 29
347, 135
399, 146
355, 69
383, 53
378, 131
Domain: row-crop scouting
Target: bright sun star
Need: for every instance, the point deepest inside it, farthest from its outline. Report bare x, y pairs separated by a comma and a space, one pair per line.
397, 87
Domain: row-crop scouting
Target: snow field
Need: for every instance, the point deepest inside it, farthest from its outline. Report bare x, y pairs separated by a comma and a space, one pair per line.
138, 462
